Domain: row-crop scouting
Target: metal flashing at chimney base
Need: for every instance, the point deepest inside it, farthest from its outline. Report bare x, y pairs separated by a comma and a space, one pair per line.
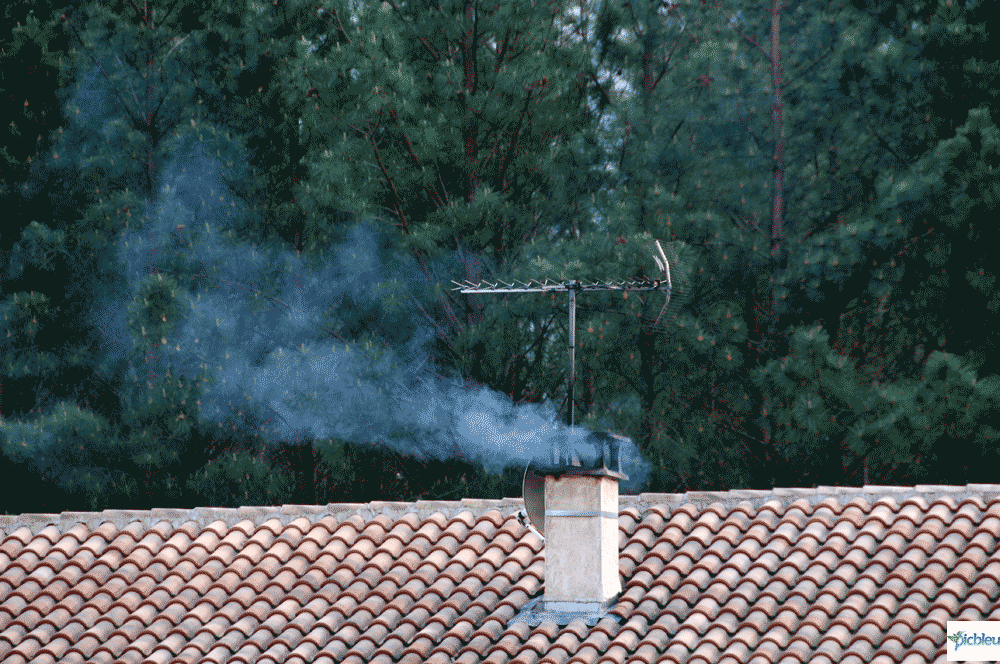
537, 611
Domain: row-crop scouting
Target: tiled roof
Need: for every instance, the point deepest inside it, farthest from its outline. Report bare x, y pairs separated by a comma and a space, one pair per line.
827, 575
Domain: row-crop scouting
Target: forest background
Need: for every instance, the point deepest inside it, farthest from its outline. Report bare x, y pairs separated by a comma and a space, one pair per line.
230, 232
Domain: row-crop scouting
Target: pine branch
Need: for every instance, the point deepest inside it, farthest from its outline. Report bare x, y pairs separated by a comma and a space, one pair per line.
536, 347
604, 93
169, 54
627, 374
502, 51
392, 185
737, 218
888, 147
756, 45
409, 145
513, 143
447, 199
124, 69
341, 25
135, 122
437, 328
667, 62
814, 63
672, 10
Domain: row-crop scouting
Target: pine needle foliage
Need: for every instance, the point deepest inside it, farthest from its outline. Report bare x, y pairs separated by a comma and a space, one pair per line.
821, 176
134, 94
781, 143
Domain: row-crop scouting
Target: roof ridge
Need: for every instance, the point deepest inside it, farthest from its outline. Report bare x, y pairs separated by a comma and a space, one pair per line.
258, 514
480, 506
843, 494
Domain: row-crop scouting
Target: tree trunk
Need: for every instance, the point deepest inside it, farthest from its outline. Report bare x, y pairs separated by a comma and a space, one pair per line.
777, 196
765, 307
591, 395
149, 92
471, 130
647, 337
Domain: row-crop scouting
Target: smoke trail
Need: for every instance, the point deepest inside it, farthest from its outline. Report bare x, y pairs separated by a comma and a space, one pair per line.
255, 320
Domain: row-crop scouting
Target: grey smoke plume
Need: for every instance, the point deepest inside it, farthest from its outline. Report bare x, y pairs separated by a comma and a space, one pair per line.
258, 326
254, 320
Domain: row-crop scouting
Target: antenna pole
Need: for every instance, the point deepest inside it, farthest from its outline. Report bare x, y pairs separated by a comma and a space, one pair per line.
572, 350
574, 286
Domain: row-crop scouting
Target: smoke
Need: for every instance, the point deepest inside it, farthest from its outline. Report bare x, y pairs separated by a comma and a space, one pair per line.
257, 324
254, 322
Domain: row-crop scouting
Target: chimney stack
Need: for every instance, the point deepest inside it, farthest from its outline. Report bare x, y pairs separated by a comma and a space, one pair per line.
581, 528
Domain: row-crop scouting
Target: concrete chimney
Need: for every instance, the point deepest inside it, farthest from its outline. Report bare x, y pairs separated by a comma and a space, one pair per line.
581, 543
581, 530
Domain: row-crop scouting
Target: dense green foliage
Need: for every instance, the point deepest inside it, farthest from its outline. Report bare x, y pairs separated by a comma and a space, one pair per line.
834, 300
93, 178
788, 221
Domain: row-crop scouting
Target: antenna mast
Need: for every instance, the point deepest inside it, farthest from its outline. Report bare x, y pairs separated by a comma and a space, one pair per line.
573, 287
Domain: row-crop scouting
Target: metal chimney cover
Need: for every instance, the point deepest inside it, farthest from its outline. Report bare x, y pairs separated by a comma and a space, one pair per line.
595, 453
601, 459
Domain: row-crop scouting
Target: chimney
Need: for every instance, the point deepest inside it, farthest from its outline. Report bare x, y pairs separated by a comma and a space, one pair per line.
581, 527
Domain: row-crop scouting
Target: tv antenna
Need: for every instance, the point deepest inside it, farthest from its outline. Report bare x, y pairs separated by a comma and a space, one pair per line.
573, 287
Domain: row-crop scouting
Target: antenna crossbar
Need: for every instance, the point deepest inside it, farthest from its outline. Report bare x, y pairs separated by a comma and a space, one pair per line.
573, 287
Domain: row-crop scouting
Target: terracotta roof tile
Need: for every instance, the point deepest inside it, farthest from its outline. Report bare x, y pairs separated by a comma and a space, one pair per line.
823, 575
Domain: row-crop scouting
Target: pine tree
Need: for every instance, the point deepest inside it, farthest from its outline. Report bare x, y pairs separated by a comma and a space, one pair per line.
463, 125
158, 102
658, 376
951, 41
156, 425
31, 107
815, 247
889, 345
522, 186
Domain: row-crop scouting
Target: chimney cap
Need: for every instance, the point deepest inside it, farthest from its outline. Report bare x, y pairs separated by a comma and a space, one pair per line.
593, 453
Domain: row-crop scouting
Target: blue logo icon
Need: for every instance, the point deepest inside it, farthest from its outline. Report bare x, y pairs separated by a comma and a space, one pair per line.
962, 639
